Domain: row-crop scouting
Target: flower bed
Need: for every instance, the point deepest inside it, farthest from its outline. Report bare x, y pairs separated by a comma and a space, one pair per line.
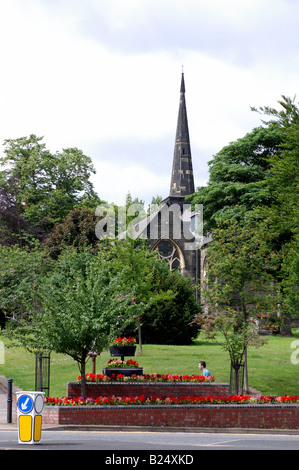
242, 416
188, 400
130, 341
117, 367
161, 385
241, 412
149, 378
118, 364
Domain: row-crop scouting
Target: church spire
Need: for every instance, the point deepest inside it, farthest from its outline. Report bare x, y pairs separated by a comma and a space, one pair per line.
182, 181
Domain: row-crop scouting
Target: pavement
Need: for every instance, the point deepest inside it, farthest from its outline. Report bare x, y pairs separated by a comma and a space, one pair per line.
3, 406
3, 412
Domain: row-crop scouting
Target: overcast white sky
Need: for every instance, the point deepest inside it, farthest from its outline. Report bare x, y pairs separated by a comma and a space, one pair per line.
104, 76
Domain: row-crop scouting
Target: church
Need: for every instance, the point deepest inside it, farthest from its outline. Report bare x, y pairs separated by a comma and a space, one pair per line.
173, 229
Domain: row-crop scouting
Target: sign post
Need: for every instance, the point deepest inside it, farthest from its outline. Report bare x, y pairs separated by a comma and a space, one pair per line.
29, 414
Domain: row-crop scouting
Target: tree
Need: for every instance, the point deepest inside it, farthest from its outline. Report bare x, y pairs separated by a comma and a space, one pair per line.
165, 298
237, 181
172, 306
240, 286
21, 271
75, 310
154, 205
260, 172
283, 179
12, 222
234, 334
77, 230
46, 185
240, 263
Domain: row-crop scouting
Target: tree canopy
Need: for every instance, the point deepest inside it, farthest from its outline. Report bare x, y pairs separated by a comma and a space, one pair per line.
237, 176
39, 187
251, 208
75, 308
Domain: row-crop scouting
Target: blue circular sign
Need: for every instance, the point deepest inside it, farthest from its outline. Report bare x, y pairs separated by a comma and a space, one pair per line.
25, 403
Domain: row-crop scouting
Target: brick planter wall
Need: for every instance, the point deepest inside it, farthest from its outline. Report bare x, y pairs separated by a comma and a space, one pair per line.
267, 416
157, 389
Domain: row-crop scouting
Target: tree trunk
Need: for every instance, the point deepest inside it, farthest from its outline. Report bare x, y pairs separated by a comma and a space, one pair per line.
83, 378
245, 313
286, 329
40, 372
139, 335
246, 385
236, 368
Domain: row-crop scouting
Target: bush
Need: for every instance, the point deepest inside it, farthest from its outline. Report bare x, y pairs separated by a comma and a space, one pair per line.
167, 318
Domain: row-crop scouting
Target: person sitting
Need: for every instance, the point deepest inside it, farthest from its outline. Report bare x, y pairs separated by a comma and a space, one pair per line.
205, 371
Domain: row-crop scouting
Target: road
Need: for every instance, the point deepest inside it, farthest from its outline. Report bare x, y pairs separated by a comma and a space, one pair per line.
176, 443
154, 442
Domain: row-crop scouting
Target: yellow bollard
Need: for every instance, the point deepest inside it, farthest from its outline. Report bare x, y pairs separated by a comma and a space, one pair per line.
30, 406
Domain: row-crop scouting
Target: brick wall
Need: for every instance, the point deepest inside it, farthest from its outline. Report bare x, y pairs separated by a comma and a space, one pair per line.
157, 389
210, 416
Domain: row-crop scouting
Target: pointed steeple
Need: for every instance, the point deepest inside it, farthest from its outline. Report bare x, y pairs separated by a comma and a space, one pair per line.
182, 180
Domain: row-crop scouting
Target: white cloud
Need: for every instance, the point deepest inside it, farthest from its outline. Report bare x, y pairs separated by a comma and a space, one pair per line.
104, 76
116, 181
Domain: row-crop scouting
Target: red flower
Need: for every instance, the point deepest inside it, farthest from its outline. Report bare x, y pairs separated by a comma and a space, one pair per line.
233, 399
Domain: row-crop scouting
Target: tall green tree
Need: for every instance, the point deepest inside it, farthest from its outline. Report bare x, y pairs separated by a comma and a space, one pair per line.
21, 271
241, 267
260, 172
283, 180
237, 176
46, 186
240, 287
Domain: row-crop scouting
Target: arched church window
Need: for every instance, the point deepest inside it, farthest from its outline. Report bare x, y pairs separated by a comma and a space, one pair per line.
169, 252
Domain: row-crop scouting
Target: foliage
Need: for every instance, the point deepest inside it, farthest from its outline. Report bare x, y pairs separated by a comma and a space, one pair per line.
41, 187
240, 284
77, 230
167, 319
21, 271
231, 331
283, 180
237, 181
287, 116
260, 172
75, 310
242, 264
165, 299
13, 225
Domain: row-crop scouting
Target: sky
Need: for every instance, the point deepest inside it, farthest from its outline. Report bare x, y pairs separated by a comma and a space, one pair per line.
104, 76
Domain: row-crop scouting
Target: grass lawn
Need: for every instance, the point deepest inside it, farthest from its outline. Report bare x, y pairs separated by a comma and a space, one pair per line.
270, 369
